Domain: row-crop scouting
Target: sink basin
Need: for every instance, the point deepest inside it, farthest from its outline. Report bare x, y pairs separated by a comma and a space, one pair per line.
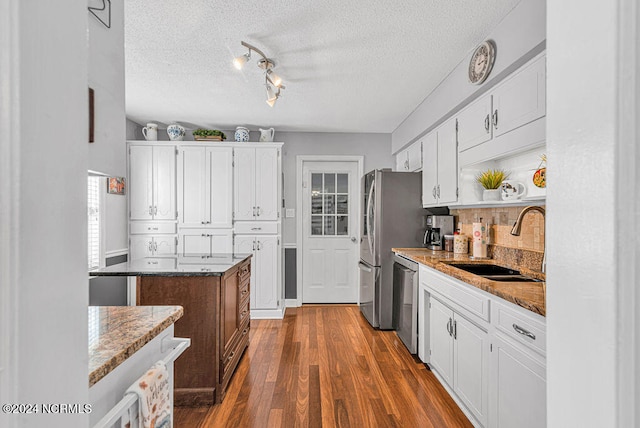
485, 269
494, 272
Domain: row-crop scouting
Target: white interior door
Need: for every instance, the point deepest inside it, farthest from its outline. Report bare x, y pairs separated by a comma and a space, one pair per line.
330, 229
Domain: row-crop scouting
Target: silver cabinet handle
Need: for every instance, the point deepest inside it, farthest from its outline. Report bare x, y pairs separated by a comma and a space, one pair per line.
495, 119
204, 270
150, 210
258, 211
254, 211
438, 192
259, 245
150, 246
256, 228
254, 245
524, 332
152, 228
455, 329
487, 123
449, 328
152, 263
433, 192
205, 222
155, 210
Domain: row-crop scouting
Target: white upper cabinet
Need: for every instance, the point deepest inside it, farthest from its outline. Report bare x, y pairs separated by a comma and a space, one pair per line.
410, 159
474, 124
256, 183
520, 99
205, 186
152, 191
440, 166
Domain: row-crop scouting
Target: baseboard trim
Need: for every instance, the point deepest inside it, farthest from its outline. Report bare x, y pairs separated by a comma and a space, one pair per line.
267, 314
291, 303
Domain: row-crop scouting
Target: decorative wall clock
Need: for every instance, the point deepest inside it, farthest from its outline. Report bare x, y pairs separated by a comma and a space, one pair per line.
482, 62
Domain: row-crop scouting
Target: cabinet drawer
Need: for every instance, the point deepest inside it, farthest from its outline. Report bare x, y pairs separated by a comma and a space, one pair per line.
243, 312
243, 292
521, 327
456, 291
256, 227
152, 227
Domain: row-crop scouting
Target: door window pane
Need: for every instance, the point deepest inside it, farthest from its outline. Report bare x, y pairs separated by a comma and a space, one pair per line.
329, 225
316, 204
343, 183
342, 226
343, 204
316, 225
316, 183
329, 204
329, 183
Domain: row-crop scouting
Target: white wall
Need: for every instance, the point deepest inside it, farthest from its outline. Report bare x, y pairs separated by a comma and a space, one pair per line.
583, 99
519, 37
45, 245
106, 77
374, 147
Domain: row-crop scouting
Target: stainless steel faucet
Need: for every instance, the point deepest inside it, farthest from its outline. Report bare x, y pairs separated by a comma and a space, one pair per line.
517, 226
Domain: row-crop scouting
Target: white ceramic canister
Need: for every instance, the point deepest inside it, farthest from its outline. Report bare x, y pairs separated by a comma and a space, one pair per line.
176, 132
460, 244
150, 132
242, 134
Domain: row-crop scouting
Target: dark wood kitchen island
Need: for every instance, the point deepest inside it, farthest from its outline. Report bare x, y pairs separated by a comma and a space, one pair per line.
214, 292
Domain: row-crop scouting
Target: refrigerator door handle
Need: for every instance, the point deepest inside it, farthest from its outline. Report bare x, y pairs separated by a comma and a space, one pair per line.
370, 224
364, 267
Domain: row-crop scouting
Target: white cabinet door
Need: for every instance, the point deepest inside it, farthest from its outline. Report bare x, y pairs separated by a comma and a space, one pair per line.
266, 182
474, 124
164, 181
140, 246
429, 169
164, 245
194, 243
221, 240
471, 366
267, 268
518, 388
441, 346
141, 182
244, 183
447, 190
193, 203
520, 99
219, 186
414, 156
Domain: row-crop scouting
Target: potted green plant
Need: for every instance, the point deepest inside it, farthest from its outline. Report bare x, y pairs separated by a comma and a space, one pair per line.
491, 180
202, 134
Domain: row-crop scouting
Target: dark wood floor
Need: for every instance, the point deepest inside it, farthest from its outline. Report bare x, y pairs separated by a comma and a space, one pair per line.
325, 366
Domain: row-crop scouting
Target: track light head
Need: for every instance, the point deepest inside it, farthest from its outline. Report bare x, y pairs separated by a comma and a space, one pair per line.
240, 61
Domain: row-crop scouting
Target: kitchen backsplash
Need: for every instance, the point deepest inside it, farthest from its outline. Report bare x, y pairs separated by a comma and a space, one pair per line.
502, 220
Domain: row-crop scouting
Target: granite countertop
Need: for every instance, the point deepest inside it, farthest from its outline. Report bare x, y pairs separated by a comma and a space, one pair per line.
188, 265
529, 295
117, 332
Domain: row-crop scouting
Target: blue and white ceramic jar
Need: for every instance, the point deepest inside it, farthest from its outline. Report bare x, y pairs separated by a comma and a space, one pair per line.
242, 134
176, 132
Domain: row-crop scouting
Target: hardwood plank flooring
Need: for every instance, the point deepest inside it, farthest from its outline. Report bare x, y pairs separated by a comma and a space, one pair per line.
324, 366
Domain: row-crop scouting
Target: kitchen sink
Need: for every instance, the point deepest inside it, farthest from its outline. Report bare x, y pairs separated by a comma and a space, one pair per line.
494, 272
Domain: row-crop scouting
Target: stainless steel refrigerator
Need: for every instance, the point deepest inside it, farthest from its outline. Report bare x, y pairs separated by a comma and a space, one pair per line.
392, 216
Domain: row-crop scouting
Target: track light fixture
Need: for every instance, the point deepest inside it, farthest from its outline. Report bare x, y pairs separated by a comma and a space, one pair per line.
273, 82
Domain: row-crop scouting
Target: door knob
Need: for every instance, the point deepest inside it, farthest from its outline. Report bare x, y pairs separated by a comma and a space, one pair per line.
353, 239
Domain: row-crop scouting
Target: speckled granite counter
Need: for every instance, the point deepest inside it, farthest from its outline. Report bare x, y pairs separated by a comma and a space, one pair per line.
529, 295
117, 332
189, 265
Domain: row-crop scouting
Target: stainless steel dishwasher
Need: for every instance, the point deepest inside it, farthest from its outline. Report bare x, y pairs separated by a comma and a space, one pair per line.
405, 301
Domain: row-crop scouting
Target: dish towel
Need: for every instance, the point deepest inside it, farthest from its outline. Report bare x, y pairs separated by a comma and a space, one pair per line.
154, 397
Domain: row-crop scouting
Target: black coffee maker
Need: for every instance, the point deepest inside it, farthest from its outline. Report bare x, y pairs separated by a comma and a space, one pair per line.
437, 227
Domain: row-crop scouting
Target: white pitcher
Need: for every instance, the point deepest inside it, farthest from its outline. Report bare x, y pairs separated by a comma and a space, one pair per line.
266, 135
150, 132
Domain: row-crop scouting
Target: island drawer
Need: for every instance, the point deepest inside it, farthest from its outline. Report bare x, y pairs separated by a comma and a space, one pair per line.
151, 227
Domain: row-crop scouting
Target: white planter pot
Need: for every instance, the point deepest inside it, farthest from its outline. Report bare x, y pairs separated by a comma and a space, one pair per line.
491, 195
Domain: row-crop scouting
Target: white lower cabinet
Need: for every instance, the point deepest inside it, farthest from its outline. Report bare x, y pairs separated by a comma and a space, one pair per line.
265, 272
488, 353
518, 387
459, 354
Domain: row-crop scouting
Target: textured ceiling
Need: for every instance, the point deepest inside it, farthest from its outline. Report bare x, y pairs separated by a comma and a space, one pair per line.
348, 66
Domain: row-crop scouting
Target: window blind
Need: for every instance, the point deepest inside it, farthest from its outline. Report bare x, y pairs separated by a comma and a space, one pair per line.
93, 211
